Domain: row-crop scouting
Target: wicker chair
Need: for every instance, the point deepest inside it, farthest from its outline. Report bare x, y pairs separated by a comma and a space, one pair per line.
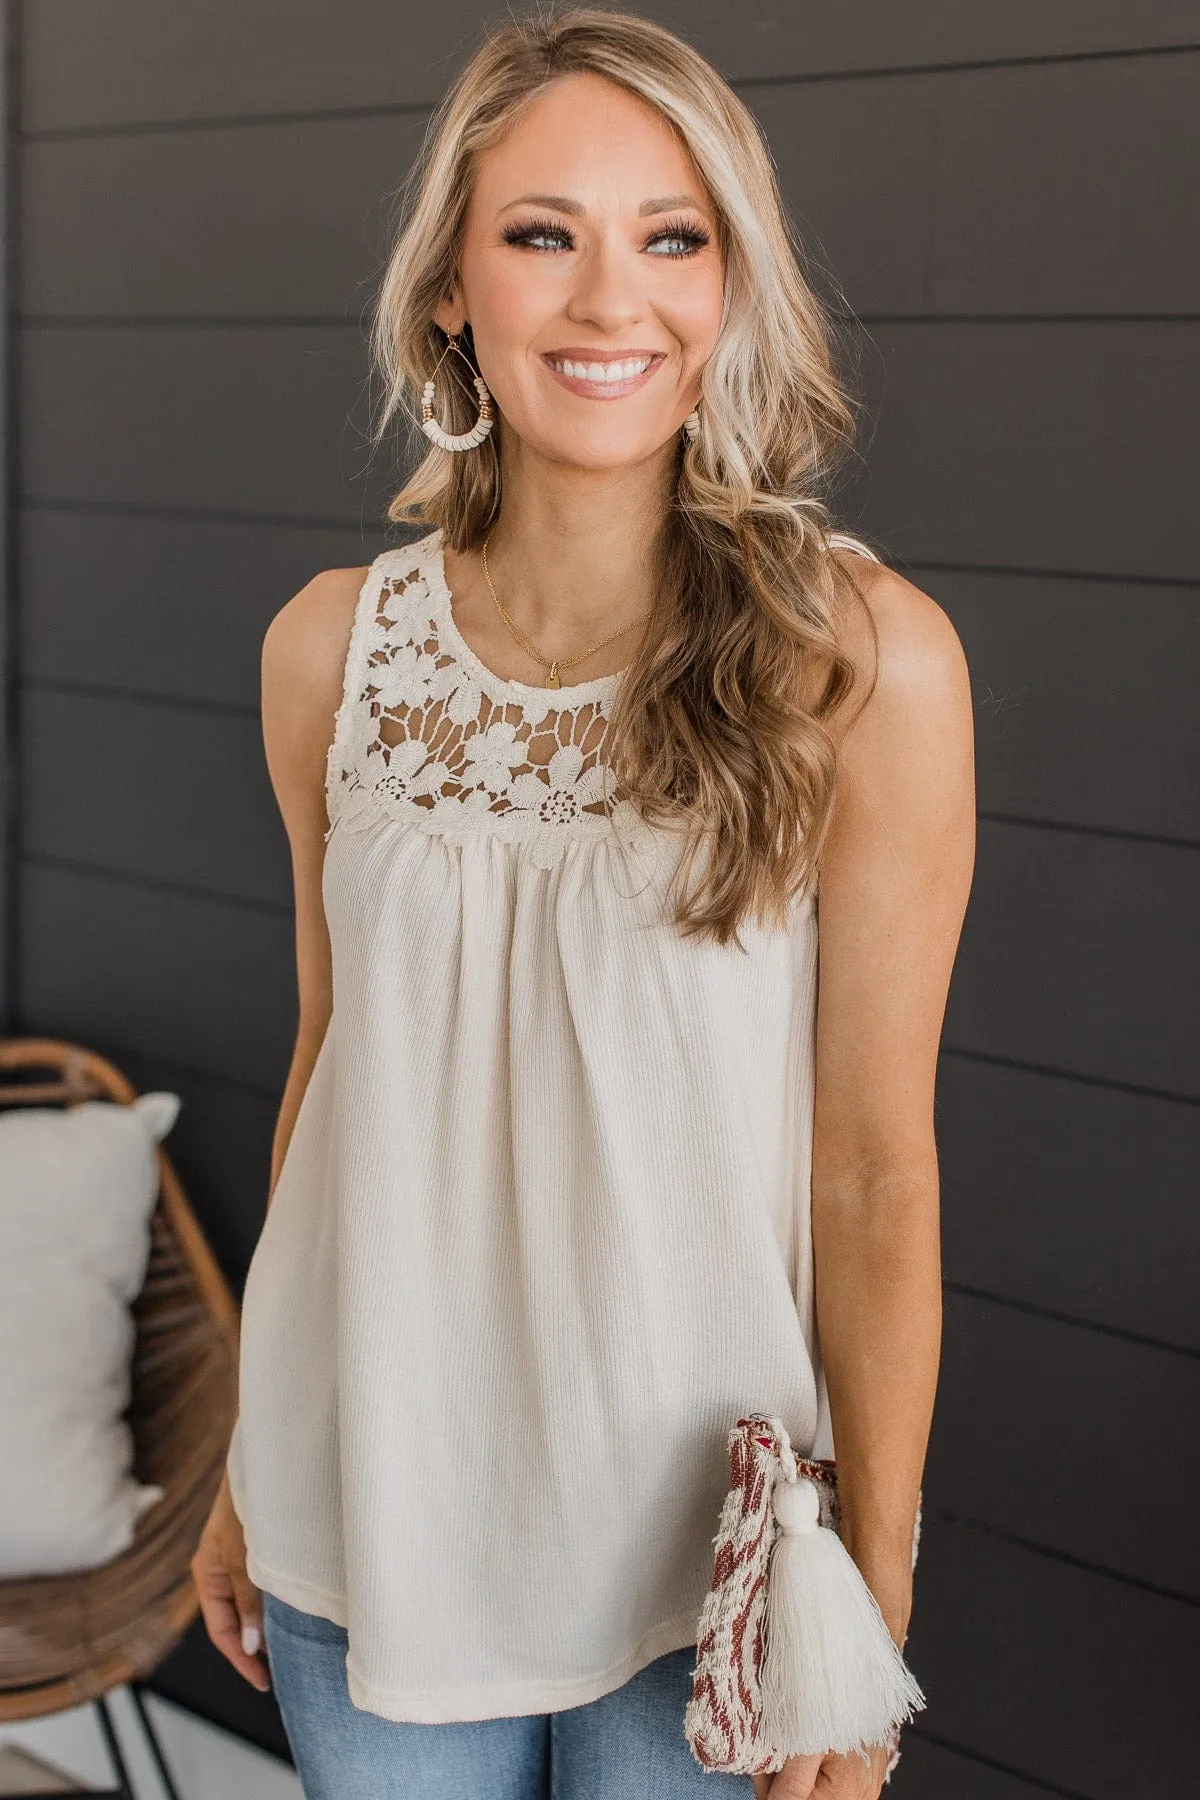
66, 1640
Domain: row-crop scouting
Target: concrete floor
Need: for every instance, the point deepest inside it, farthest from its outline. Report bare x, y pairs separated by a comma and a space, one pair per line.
207, 1763
21, 1773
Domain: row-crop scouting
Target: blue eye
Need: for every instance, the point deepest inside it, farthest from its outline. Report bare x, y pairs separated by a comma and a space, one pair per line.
538, 234
677, 239
691, 237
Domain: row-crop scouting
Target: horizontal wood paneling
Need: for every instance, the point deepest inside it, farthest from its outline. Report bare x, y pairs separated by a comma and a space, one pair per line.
997, 191
930, 1771
102, 404
1068, 188
238, 420
168, 224
1051, 1671
1080, 953
856, 162
1070, 1196
1019, 1394
184, 478
294, 55
150, 788
1055, 737
167, 606
204, 983
1065, 448
993, 191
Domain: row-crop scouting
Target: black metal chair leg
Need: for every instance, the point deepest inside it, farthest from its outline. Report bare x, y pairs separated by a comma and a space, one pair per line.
124, 1788
160, 1761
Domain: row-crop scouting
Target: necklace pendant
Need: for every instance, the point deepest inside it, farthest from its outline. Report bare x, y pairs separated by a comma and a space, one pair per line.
554, 681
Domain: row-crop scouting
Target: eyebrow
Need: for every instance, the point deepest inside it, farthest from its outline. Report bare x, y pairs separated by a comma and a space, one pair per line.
561, 203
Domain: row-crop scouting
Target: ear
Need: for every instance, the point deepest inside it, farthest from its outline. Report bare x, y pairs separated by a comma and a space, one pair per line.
449, 312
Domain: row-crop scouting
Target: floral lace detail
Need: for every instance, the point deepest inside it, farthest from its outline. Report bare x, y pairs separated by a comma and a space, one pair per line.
426, 733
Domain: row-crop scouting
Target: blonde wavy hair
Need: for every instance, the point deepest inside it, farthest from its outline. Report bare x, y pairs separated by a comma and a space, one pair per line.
721, 723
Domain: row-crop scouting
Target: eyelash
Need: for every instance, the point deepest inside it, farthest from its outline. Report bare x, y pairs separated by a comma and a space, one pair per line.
520, 235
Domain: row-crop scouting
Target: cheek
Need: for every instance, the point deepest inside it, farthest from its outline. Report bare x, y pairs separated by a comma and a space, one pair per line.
693, 315
510, 307
510, 301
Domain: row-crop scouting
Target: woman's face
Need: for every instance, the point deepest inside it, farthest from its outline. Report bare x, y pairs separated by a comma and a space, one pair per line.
591, 276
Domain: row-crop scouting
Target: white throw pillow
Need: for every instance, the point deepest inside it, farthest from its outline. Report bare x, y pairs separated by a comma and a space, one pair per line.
77, 1190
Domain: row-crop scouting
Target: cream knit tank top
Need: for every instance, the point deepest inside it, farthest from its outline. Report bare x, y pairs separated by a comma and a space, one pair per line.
542, 1230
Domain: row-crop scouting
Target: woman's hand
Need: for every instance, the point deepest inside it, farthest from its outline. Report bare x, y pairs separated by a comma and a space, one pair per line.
849, 1777
825, 1778
229, 1600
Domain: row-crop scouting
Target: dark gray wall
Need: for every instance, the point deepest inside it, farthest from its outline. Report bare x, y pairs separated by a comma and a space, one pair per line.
1007, 196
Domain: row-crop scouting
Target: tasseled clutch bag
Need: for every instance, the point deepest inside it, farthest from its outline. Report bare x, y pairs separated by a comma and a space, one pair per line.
793, 1656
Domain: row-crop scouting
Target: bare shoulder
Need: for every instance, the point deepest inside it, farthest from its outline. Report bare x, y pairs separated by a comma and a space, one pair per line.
304, 646
304, 653
902, 639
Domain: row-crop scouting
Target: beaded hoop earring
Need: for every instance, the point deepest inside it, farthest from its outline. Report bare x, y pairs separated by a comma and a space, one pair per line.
464, 440
692, 423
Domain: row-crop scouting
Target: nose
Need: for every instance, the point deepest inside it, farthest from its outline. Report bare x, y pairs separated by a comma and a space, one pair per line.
607, 292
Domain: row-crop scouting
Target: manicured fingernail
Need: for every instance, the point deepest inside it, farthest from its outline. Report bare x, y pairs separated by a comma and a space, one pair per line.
251, 1640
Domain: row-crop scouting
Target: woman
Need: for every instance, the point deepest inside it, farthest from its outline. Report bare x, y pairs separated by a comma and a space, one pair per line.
575, 1164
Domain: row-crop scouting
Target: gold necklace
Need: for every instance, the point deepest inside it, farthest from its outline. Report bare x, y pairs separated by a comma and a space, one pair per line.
559, 662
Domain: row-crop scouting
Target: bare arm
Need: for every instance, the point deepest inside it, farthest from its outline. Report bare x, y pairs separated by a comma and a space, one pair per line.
893, 892
303, 658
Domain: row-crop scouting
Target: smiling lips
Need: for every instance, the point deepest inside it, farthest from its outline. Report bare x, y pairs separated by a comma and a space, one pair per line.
598, 376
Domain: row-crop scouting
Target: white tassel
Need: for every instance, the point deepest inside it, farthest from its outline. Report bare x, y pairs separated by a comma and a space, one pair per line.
833, 1678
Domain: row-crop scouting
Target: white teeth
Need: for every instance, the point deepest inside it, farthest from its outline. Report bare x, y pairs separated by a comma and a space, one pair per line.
606, 372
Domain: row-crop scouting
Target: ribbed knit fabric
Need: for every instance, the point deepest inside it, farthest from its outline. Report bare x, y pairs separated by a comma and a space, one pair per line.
542, 1230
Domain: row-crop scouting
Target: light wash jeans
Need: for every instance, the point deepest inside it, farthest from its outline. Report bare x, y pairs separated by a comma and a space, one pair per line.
628, 1745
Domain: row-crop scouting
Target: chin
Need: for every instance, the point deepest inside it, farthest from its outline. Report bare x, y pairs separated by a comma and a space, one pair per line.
601, 449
